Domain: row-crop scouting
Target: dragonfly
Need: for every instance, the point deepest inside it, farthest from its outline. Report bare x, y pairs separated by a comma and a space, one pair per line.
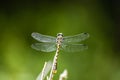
67, 44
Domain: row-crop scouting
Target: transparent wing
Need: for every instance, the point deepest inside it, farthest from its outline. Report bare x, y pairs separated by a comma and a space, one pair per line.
45, 47
76, 38
43, 38
74, 47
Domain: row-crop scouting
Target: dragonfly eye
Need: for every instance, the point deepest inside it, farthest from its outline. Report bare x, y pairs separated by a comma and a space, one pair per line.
59, 34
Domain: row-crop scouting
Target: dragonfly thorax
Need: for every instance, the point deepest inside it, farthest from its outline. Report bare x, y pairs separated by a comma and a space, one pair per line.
59, 38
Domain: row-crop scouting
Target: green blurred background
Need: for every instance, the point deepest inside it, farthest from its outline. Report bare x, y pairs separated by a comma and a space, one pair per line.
100, 18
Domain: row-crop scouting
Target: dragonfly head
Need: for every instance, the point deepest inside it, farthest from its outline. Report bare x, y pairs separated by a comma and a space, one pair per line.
59, 38
60, 34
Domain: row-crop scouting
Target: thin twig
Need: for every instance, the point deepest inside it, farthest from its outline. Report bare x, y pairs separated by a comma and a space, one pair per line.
64, 75
45, 70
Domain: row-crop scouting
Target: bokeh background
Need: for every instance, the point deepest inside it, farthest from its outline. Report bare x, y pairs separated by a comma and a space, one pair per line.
100, 18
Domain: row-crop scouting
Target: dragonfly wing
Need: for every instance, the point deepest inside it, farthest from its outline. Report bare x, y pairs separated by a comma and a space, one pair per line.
76, 38
74, 47
45, 47
43, 38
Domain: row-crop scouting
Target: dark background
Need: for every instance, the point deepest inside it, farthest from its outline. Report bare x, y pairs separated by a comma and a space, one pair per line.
100, 18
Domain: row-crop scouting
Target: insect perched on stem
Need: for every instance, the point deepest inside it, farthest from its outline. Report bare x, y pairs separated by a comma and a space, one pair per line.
67, 44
